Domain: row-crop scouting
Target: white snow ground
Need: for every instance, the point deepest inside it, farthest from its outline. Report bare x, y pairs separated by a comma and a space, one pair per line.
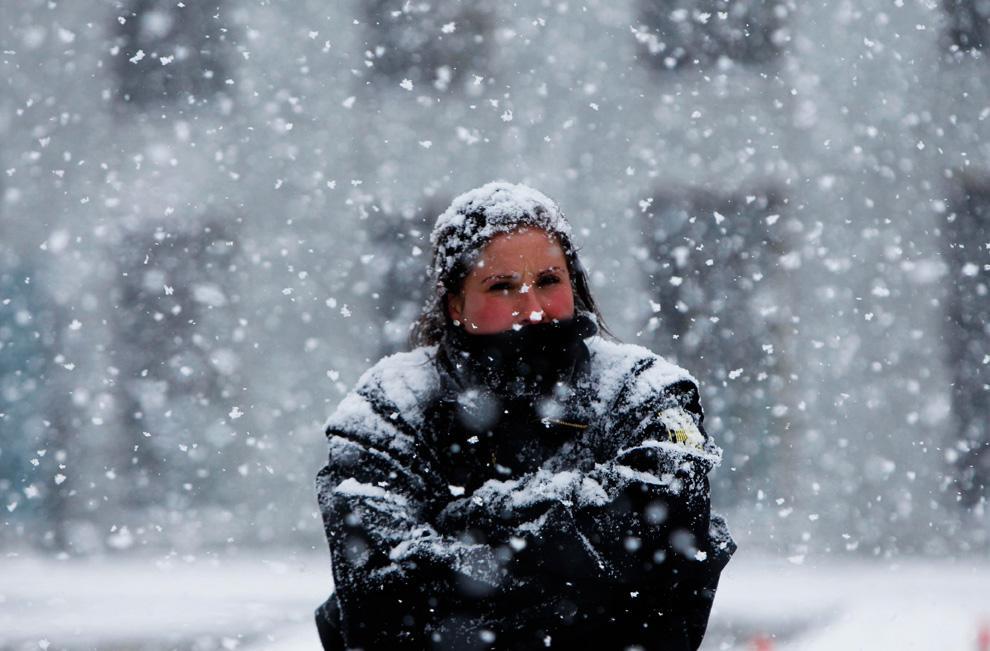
157, 603
265, 603
853, 604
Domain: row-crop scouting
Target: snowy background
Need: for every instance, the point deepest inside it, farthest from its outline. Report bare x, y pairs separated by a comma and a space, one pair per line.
213, 217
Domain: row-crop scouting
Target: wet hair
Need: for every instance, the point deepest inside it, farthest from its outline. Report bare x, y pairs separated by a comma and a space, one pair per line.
454, 256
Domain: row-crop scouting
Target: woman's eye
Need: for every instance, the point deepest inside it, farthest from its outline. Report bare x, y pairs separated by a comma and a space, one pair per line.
499, 287
548, 280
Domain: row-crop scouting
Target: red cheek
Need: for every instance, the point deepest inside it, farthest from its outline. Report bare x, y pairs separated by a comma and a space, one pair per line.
494, 313
558, 303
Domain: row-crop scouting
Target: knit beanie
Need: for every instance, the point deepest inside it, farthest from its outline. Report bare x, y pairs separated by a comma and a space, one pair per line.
476, 216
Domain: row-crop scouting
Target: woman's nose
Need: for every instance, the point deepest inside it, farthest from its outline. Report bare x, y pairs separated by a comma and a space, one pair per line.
530, 308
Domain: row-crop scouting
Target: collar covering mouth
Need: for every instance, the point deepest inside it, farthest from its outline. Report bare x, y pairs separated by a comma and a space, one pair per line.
520, 363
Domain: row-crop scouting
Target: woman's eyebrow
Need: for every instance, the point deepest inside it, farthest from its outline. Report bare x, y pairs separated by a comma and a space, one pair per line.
500, 277
514, 275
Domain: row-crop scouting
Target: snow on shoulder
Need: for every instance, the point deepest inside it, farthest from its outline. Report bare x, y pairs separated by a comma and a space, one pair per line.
616, 364
402, 381
631, 377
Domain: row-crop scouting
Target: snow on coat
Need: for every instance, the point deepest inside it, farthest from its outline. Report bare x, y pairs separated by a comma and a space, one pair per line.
609, 534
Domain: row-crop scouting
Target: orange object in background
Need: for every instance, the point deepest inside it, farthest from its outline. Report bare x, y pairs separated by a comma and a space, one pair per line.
762, 643
983, 637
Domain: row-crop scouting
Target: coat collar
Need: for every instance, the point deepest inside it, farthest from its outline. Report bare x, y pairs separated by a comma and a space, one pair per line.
524, 363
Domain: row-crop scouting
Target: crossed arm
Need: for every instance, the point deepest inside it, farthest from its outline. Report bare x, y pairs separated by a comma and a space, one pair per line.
641, 518
404, 561
397, 577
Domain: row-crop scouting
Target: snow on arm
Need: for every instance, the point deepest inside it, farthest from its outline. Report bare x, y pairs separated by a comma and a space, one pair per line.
650, 443
656, 411
375, 492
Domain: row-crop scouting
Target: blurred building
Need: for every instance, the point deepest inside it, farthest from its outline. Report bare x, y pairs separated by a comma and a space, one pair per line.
787, 199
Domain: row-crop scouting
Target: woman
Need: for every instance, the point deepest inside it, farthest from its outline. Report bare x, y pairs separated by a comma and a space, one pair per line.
517, 481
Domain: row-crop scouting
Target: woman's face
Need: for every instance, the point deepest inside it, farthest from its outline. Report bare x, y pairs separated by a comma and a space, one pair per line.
520, 278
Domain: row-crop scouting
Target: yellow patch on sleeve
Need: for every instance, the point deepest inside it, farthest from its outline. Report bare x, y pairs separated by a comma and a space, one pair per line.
681, 427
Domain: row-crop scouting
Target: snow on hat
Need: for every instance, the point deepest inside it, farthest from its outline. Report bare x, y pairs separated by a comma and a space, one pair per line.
476, 216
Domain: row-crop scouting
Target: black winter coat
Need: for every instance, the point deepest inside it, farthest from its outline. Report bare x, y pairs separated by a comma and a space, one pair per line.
465, 511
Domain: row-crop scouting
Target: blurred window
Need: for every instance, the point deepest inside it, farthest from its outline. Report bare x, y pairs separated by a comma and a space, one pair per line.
717, 269
681, 34
178, 372
167, 50
441, 43
966, 329
400, 282
968, 24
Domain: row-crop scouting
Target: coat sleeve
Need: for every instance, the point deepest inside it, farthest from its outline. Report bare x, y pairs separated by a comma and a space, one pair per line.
639, 520
397, 579
653, 522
